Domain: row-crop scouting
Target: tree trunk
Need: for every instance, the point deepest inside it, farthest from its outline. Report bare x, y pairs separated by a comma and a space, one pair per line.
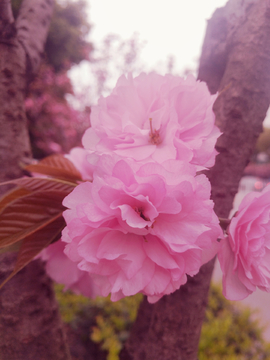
30, 324
236, 59
14, 139
30, 327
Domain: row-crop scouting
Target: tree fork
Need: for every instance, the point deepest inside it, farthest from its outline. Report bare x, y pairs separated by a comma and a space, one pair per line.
235, 58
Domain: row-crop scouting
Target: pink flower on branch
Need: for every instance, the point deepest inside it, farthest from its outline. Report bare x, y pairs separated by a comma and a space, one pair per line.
140, 228
155, 118
245, 253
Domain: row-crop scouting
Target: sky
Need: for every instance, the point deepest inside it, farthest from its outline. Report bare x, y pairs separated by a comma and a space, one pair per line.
165, 27
169, 27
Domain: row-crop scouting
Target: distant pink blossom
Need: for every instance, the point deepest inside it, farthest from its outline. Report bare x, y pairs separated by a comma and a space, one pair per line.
140, 228
155, 118
64, 271
245, 254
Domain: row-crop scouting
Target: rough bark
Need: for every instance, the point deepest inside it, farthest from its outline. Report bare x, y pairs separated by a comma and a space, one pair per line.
14, 140
236, 59
21, 46
245, 94
30, 326
32, 27
28, 330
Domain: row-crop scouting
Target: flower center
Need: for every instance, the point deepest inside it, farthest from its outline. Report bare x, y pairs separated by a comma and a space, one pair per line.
139, 210
154, 135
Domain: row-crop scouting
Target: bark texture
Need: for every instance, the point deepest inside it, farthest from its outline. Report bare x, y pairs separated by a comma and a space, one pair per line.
14, 139
30, 324
30, 327
32, 27
245, 92
236, 59
21, 47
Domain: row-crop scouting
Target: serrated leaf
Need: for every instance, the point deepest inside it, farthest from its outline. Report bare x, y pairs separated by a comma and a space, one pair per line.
28, 214
56, 166
35, 243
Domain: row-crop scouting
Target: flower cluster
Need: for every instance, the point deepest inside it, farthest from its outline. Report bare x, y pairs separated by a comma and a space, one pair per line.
245, 253
144, 220
140, 229
155, 118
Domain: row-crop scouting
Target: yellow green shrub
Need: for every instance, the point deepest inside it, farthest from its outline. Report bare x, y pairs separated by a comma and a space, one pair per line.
228, 332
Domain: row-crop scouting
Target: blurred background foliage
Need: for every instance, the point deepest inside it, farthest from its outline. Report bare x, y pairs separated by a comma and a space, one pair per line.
229, 331
66, 43
55, 126
105, 323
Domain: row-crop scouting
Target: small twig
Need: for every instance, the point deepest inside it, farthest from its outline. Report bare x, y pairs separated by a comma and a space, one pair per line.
224, 223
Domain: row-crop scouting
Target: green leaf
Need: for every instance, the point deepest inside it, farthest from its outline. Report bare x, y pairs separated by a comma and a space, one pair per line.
28, 214
56, 166
34, 243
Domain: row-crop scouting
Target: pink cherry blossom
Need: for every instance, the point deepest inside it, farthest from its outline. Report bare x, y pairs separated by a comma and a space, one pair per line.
140, 228
155, 118
64, 271
78, 156
245, 253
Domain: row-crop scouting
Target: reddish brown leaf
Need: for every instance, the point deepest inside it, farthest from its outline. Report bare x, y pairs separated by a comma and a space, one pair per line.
33, 244
12, 248
42, 184
56, 166
28, 214
28, 185
11, 196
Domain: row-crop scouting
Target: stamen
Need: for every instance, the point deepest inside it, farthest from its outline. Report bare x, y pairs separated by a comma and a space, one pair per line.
154, 135
139, 210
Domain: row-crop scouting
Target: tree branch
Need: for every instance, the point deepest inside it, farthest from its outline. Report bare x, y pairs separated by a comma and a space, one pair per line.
220, 30
7, 28
32, 29
241, 108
